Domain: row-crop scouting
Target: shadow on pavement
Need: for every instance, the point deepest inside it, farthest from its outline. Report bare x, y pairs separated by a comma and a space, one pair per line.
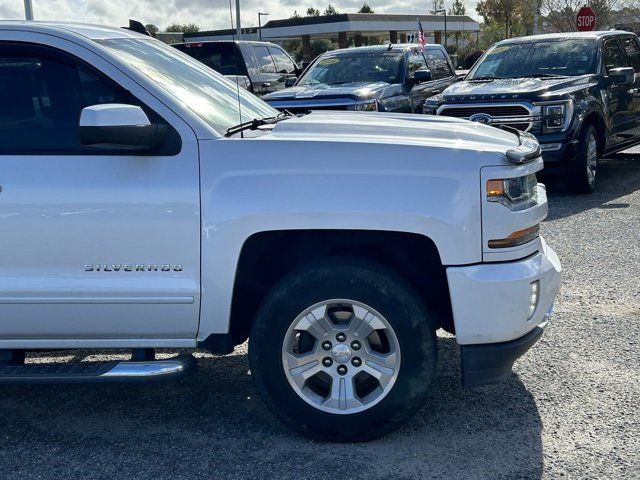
214, 426
616, 178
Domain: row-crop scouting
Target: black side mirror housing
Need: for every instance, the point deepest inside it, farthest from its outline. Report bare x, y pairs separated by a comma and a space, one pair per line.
421, 76
622, 75
290, 81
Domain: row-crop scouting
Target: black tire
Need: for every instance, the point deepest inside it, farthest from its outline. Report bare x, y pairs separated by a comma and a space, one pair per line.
581, 175
363, 281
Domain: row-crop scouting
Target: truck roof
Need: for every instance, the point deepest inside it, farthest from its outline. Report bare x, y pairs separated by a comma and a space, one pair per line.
205, 42
564, 35
70, 29
392, 47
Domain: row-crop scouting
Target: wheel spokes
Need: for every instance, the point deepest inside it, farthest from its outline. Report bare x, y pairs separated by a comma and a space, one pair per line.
342, 395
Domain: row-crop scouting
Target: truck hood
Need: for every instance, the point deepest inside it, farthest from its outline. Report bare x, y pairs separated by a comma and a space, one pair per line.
530, 88
393, 128
357, 91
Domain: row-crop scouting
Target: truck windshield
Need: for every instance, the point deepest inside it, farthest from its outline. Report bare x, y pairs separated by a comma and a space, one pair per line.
369, 67
206, 93
548, 58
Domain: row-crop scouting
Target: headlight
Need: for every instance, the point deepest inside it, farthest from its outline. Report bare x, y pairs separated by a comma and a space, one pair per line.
556, 117
514, 193
368, 106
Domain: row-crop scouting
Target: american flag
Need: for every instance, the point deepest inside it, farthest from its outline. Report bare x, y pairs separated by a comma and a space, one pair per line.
420, 36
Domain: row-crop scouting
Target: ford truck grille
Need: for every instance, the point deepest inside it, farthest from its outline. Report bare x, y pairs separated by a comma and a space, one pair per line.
517, 115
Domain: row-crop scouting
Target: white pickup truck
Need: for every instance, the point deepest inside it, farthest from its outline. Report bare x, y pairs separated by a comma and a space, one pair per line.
136, 213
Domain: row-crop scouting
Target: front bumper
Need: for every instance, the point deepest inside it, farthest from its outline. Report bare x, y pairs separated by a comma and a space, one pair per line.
557, 148
490, 304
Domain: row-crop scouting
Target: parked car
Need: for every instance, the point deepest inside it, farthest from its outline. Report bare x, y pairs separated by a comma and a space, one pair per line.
576, 92
137, 213
388, 78
261, 67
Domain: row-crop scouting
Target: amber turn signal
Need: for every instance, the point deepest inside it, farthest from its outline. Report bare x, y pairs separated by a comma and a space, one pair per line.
516, 238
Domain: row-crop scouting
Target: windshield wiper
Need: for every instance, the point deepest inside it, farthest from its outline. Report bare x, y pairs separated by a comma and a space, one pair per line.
483, 78
256, 123
542, 75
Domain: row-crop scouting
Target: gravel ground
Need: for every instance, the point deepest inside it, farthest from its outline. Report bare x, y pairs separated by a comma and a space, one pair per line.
571, 409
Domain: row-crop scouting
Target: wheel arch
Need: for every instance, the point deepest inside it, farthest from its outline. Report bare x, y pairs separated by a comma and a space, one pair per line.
268, 256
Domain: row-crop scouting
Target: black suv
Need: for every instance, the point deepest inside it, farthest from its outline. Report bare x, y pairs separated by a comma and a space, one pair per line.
389, 78
578, 93
266, 66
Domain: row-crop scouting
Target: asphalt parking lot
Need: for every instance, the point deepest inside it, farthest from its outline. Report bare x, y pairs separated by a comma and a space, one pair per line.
571, 410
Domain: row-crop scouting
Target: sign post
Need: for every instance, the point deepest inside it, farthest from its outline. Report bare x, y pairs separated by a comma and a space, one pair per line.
585, 19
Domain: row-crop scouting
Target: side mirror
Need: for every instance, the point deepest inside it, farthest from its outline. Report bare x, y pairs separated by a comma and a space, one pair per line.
420, 76
622, 75
117, 126
297, 71
290, 81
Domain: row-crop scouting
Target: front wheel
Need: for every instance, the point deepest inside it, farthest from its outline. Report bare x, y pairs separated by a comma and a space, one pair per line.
583, 172
343, 350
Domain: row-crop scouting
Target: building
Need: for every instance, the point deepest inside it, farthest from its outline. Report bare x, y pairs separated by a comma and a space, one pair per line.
349, 29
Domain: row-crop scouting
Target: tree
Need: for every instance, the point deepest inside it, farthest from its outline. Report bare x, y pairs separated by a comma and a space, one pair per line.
185, 28
365, 8
438, 6
560, 15
513, 15
312, 12
458, 8
295, 14
152, 29
330, 10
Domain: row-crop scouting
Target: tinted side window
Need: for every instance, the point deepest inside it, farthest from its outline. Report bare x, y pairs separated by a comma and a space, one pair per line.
612, 55
263, 57
283, 63
41, 100
630, 46
438, 63
224, 58
415, 61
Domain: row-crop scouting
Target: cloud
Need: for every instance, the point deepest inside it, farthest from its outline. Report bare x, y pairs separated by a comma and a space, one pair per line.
208, 14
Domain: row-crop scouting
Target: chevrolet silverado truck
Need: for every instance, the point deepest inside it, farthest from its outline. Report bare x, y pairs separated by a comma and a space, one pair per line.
576, 92
383, 78
148, 203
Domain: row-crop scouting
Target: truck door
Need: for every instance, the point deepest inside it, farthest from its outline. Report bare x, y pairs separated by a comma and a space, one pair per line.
441, 75
269, 80
632, 51
95, 245
620, 98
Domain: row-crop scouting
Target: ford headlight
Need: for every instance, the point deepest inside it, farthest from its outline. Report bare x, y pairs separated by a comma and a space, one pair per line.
556, 117
368, 106
514, 193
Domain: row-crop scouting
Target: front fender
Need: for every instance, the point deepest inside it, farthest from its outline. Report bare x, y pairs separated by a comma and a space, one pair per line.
250, 186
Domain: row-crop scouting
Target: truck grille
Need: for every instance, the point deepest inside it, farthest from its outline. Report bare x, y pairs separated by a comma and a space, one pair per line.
516, 115
497, 111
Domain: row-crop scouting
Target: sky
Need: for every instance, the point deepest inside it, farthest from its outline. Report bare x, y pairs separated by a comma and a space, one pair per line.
208, 14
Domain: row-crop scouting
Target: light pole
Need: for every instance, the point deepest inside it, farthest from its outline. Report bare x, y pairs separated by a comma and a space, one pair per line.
442, 10
28, 10
238, 25
260, 24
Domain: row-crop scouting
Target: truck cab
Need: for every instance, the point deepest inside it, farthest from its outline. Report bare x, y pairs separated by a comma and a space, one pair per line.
265, 67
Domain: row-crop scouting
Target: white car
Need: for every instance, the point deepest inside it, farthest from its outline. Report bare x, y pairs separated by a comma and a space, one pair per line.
136, 214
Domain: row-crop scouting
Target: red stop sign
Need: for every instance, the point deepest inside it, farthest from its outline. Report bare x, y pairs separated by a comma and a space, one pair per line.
585, 20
